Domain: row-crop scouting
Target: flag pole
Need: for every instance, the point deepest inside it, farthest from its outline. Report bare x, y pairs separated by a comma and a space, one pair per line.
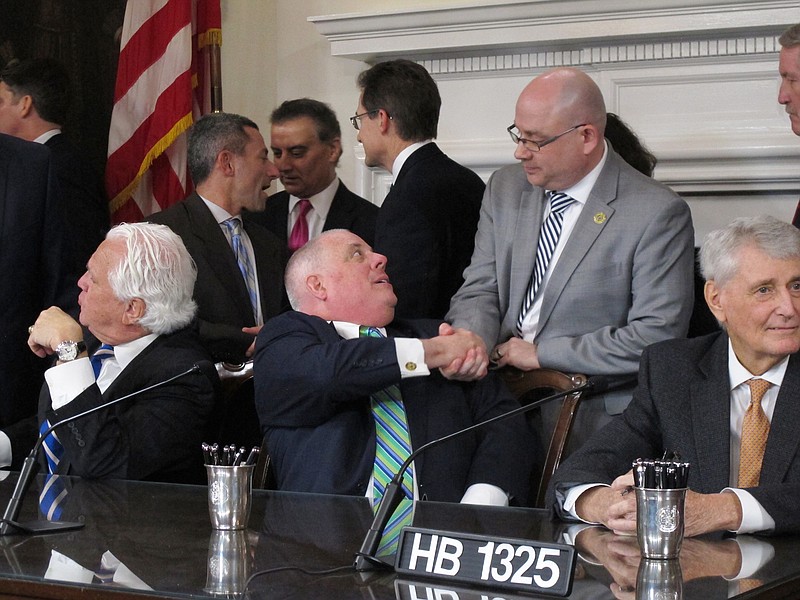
215, 75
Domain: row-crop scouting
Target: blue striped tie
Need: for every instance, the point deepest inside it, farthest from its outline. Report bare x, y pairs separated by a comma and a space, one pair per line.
234, 227
548, 239
393, 447
103, 353
52, 497
53, 450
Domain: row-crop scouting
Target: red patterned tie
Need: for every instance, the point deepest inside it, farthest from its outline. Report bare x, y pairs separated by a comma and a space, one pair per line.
299, 235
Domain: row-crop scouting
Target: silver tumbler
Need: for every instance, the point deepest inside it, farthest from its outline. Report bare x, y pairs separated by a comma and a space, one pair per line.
229, 492
659, 521
659, 580
228, 562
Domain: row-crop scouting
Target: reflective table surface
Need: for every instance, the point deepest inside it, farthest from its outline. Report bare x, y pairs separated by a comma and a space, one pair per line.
151, 539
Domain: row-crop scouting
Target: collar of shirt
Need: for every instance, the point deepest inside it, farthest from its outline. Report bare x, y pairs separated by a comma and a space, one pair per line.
47, 135
349, 331
403, 157
219, 213
739, 374
125, 353
321, 203
581, 190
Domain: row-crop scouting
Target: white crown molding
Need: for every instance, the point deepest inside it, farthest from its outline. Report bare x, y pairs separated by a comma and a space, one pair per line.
575, 31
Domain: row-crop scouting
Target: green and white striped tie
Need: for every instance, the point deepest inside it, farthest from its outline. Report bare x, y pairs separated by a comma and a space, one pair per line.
392, 448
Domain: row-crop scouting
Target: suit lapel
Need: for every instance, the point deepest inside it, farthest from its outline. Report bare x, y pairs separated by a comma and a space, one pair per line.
4, 168
340, 215
218, 253
710, 417
783, 441
528, 214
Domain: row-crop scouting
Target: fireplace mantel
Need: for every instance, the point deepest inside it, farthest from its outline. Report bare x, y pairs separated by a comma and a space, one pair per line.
696, 79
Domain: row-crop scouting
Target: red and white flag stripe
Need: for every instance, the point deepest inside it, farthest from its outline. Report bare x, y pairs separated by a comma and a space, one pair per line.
153, 107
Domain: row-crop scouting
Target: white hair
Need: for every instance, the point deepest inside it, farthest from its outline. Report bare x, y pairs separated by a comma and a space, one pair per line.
158, 269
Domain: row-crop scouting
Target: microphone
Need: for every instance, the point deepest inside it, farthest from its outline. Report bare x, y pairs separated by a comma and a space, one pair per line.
8, 524
392, 495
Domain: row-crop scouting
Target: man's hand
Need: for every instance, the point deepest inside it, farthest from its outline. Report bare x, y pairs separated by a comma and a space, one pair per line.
517, 353
52, 327
251, 349
615, 507
458, 353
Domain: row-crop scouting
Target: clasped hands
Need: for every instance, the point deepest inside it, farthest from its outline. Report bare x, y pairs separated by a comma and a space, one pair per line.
615, 507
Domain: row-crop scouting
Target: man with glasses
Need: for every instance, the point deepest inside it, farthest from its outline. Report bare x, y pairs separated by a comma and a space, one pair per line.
580, 261
426, 225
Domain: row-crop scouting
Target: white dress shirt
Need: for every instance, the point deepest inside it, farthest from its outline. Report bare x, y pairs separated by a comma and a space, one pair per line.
317, 215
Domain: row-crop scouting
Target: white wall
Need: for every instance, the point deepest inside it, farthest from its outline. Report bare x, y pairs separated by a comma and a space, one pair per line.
711, 117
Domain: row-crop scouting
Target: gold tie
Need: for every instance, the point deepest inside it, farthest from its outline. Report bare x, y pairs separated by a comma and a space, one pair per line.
755, 428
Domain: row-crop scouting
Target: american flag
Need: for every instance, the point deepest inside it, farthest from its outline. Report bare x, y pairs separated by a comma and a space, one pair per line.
160, 90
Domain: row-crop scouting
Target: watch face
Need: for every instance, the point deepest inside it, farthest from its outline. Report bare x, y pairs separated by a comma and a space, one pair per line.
67, 351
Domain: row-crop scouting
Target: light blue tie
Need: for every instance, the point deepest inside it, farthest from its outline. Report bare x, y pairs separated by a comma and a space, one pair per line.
548, 239
234, 227
393, 447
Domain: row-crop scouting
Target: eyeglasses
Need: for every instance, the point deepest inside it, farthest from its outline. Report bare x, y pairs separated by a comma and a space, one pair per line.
356, 119
536, 146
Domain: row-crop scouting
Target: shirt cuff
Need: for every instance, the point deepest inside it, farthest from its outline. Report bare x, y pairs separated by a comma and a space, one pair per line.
410, 357
755, 554
485, 494
571, 498
754, 517
68, 380
5, 450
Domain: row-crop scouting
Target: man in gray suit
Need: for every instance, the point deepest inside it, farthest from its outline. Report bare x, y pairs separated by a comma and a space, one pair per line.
620, 271
705, 397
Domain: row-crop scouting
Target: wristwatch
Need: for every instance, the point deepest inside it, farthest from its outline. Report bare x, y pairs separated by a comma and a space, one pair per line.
69, 350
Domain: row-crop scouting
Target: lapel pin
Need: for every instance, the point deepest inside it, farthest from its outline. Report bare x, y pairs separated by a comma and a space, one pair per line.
600, 218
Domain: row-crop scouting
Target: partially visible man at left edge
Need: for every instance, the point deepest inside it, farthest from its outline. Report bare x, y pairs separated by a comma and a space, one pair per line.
136, 299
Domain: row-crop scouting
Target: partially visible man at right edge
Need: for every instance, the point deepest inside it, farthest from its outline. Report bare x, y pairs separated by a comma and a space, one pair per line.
789, 93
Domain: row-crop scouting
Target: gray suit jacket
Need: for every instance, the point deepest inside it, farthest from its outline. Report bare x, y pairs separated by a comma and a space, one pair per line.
623, 281
683, 404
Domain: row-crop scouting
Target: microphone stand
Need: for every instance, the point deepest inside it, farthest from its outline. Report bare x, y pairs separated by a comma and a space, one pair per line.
392, 495
9, 524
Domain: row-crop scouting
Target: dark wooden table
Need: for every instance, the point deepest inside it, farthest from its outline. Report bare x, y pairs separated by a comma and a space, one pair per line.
162, 534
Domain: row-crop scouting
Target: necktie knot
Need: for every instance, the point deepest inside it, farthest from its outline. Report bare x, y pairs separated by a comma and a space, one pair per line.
305, 206
758, 387
102, 354
365, 331
234, 226
559, 201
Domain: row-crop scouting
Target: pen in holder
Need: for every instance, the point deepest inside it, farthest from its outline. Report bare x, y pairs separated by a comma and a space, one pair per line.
660, 487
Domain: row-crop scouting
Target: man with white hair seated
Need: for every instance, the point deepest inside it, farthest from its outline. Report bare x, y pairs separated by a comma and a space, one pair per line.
136, 300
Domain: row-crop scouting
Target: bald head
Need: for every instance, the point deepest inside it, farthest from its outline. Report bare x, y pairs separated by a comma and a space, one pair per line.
568, 96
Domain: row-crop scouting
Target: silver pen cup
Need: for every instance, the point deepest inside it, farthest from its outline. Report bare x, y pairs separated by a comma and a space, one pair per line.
229, 492
228, 562
659, 521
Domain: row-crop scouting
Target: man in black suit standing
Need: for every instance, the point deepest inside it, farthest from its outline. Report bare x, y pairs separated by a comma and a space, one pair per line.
726, 402
136, 299
306, 142
426, 225
34, 99
789, 93
31, 268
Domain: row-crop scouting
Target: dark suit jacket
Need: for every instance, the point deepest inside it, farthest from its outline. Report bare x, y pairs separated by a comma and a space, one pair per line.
683, 404
426, 228
155, 436
220, 292
84, 202
348, 211
312, 396
31, 268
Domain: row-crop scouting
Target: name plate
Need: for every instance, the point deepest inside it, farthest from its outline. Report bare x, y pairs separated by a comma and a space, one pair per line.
514, 564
